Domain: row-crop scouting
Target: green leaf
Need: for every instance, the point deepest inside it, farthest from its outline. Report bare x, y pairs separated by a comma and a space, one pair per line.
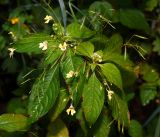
71, 63
128, 74
158, 82
76, 30
60, 104
147, 92
114, 44
13, 122
156, 44
76, 89
82, 121
30, 44
99, 41
2, 42
57, 129
151, 4
17, 105
93, 99
44, 93
100, 13
149, 73
119, 110
119, 60
133, 19
10, 65
102, 125
51, 56
102, 8
135, 129
112, 73
151, 76
129, 96
85, 49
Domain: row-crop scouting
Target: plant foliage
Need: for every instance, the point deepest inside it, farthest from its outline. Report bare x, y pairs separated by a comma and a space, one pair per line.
79, 72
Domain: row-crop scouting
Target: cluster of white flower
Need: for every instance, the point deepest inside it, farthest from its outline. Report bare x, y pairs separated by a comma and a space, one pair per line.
96, 57
43, 45
71, 73
55, 26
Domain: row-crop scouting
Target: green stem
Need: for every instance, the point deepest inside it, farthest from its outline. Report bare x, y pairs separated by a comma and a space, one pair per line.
72, 12
157, 131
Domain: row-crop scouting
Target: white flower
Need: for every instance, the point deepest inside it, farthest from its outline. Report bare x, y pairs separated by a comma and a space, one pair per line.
12, 35
96, 57
48, 19
43, 45
70, 74
110, 93
11, 52
63, 47
71, 110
